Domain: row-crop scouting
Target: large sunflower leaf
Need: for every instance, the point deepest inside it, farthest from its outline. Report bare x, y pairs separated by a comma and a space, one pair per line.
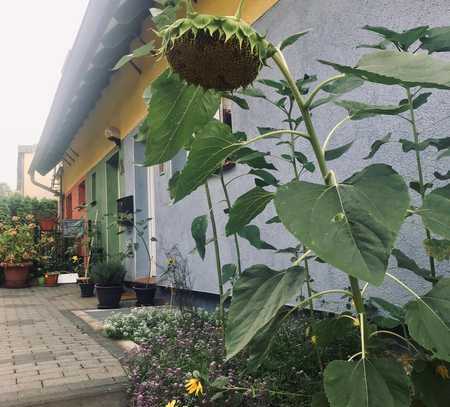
428, 320
366, 383
246, 208
435, 211
212, 145
140, 52
352, 226
258, 296
176, 111
396, 68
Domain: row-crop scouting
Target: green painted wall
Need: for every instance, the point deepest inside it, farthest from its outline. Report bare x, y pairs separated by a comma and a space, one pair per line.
104, 183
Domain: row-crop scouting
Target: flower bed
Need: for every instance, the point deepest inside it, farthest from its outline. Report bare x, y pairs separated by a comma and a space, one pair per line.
182, 353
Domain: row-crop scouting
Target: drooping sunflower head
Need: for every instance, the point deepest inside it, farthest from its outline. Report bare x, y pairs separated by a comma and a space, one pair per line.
222, 53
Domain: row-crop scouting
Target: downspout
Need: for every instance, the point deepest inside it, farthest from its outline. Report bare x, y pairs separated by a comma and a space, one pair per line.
42, 186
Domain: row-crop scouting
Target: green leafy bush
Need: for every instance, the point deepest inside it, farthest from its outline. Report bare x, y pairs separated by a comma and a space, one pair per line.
108, 274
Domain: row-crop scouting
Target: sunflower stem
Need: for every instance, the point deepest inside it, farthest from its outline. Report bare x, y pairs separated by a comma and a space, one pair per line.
319, 152
239, 10
189, 7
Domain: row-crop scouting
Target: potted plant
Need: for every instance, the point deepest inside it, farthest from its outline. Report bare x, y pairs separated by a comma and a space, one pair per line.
51, 278
145, 288
46, 213
18, 250
108, 278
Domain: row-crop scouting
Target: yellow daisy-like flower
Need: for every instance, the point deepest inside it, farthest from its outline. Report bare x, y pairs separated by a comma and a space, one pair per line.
74, 258
172, 403
314, 340
442, 371
194, 386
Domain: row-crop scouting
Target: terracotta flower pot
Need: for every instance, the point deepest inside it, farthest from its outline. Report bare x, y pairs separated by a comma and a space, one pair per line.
47, 225
16, 275
51, 279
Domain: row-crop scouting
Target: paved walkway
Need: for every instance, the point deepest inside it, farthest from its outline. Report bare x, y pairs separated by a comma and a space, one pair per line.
47, 354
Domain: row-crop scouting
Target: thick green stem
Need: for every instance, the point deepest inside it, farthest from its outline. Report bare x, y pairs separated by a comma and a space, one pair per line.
236, 240
238, 14
320, 156
420, 172
216, 250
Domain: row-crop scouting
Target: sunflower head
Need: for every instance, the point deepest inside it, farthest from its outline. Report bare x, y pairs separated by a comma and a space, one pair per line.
222, 53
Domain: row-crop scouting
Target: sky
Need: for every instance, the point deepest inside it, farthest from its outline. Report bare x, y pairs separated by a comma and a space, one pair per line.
35, 38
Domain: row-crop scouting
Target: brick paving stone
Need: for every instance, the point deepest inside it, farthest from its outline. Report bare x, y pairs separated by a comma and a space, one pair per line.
43, 351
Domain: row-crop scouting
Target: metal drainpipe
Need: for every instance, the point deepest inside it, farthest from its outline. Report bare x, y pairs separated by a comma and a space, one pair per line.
42, 186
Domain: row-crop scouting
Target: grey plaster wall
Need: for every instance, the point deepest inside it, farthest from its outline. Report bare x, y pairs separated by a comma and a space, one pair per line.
335, 34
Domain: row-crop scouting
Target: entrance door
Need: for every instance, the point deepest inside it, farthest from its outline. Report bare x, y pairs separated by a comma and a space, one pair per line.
112, 193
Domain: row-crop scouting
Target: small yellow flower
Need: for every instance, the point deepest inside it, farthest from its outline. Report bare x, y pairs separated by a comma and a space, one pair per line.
442, 371
194, 386
172, 403
74, 259
314, 340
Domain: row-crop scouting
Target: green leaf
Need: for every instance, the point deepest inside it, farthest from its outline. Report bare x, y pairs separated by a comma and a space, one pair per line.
246, 208
343, 85
253, 235
400, 68
252, 158
142, 51
259, 294
292, 40
439, 143
385, 314
415, 186
436, 40
435, 211
253, 92
352, 226
408, 145
242, 103
166, 14
176, 111
266, 177
328, 330
198, 229
404, 262
359, 110
335, 153
377, 145
428, 320
212, 145
445, 153
405, 39
271, 83
438, 248
429, 386
228, 272
366, 383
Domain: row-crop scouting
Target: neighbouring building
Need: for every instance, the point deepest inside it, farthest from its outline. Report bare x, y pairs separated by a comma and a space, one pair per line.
25, 185
92, 125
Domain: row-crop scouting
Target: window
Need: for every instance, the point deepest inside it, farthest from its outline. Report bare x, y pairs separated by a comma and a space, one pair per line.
69, 206
82, 194
225, 112
93, 187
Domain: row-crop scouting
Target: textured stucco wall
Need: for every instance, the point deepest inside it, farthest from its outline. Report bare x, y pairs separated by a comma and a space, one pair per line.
335, 34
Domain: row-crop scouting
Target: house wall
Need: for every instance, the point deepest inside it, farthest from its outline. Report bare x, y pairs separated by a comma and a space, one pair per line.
334, 36
78, 212
125, 113
25, 186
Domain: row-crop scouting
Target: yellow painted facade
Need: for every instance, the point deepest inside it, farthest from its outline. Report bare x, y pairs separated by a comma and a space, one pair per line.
121, 104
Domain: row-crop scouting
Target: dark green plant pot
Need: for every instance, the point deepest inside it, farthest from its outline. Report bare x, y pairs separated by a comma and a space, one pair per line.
108, 297
86, 289
145, 295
